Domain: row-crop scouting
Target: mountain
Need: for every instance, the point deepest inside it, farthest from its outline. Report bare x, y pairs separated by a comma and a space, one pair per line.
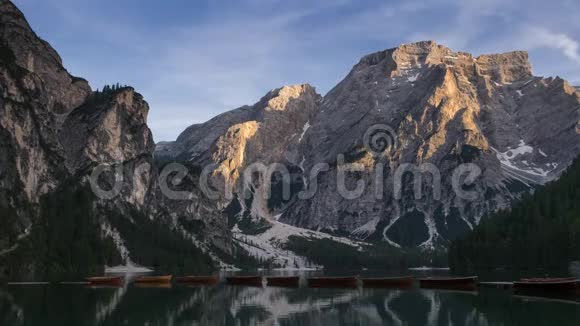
540, 231
407, 153
266, 133
55, 134
450, 136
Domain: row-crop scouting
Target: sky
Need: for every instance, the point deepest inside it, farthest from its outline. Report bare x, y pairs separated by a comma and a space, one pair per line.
194, 59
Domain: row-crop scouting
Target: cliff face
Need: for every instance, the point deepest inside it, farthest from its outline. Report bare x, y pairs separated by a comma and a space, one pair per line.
36, 94
55, 135
98, 131
420, 106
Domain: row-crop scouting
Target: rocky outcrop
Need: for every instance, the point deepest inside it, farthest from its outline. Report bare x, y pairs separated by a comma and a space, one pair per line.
97, 132
111, 129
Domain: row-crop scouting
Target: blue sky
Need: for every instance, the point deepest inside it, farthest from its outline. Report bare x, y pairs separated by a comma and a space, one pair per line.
193, 59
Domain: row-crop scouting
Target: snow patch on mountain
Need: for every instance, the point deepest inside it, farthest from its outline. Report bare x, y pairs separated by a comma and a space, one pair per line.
367, 229
386, 229
413, 78
270, 245
432, 229
110, 231
304, 130
515, 165
129, 266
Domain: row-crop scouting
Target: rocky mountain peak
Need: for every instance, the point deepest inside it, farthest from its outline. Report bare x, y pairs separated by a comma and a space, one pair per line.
33, 60
505, 67
279, 98
408, 59
281, 113
108, 128
412, 53
280, 117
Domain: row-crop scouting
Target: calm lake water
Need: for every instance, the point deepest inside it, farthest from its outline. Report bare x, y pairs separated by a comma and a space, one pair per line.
237, 305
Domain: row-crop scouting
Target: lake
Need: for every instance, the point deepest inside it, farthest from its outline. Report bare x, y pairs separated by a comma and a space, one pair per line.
76, 304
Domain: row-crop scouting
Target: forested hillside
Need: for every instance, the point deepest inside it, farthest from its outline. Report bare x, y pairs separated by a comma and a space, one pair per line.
540, 231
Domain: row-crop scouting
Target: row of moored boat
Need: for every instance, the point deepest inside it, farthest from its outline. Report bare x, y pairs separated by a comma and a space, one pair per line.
294, 281
460, 283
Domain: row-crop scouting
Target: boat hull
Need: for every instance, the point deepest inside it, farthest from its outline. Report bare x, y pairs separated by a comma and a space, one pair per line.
245, 280
293, 281
153, 285
452, 283
154, 279
389, 282
333, 282
556, 285
108, 281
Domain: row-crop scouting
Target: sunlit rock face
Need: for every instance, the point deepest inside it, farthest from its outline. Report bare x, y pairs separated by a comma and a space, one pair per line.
113, 131
440, 108
268, 132
264, 132
98, 132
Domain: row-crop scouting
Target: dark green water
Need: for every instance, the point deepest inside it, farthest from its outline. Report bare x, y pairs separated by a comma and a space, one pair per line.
229, 305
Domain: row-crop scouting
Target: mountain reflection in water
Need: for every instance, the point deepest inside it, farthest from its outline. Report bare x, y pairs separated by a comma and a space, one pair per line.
229, 305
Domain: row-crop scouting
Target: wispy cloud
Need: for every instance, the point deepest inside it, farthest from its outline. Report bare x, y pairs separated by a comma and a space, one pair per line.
541, 37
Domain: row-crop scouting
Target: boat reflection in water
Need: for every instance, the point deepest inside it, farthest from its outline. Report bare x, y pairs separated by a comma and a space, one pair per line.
247, 305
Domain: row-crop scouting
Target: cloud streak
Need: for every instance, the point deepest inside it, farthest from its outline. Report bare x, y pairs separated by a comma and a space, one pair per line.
544, 38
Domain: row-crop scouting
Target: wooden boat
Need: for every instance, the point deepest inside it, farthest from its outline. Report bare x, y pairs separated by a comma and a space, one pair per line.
547, 284
388, 282
291, 281
458, 283
106, 280
153, 285
245, 280
154, 279
213, 279
332, 282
